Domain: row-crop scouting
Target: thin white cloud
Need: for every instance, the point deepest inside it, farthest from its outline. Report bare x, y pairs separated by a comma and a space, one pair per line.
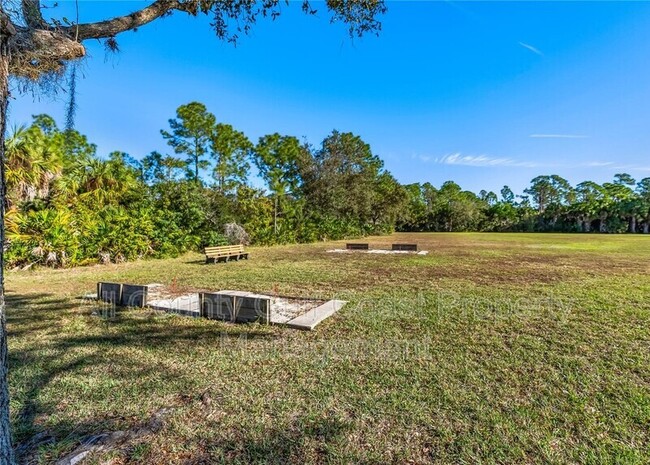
481, 160
459, 159
531, 48
599, 163
558, 136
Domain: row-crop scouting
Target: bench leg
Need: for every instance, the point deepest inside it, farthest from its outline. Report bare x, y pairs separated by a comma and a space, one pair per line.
226, 258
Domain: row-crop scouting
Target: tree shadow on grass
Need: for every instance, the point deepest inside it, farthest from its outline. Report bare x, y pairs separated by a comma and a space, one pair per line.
197, 262
44, 351
308, 439
21, 307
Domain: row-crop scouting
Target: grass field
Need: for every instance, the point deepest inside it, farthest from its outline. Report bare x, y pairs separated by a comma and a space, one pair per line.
494, 348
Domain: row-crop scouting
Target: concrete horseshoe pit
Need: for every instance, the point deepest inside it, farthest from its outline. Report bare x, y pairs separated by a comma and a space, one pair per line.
225, 305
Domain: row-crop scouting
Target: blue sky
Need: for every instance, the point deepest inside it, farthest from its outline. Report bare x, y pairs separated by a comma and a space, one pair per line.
484, 93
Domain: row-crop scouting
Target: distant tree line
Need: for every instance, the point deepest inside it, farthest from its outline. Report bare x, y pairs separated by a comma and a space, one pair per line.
67, 206
549, 204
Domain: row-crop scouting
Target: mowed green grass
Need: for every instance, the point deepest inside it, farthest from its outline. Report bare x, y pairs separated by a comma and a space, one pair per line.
494, 348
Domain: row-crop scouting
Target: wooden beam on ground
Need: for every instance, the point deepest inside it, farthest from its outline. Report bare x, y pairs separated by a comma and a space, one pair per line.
357, 246
406, 247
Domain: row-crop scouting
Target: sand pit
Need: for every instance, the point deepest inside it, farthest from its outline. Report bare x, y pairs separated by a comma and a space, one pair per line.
380, 251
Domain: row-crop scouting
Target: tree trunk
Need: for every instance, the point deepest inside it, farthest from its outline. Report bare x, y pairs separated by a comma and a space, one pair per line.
646, 227
196, 160
633, 224
6, 451
275, 216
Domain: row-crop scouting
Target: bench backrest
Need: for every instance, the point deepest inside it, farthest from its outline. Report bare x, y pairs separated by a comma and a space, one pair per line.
224, 250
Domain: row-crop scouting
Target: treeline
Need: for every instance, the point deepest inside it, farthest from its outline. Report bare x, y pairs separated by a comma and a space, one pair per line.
67, 206
549, 204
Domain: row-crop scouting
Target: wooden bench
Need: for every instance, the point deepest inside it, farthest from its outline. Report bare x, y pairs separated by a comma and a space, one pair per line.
356, 246
224, 253
406, 247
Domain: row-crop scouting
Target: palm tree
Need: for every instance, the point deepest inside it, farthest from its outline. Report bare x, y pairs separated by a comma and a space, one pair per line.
33, 163
98, 181
590, 205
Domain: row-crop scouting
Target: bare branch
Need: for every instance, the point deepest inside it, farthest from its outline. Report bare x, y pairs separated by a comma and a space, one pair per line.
7, 28
41, 48
112, 27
